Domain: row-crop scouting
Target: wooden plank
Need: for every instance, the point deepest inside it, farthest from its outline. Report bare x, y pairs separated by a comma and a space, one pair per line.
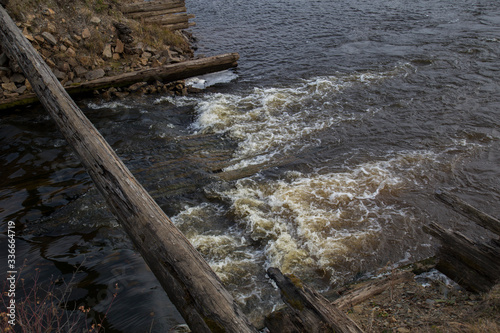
151, 6
179, 26
192, 286
156, 13
485, 220
168, 19
307, 310
166, 73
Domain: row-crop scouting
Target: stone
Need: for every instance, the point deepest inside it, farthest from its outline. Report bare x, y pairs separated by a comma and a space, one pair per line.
79, 70
49, 38
58, 74
48, 12
120, 47
85, 60
66, 41
95, 74
21, 90
107, 53
63, 48
11, 86
51, 28
18, 78
116, 56
70, 52
137, 86
39, 39
95, 20
146, 55
86, 33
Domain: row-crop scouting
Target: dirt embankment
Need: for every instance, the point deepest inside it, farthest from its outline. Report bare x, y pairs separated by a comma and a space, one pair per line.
87, 40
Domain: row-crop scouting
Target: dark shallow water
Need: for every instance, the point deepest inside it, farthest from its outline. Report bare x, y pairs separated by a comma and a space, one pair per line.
345, 117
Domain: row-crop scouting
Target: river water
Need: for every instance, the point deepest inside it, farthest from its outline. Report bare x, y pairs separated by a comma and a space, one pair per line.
319, 154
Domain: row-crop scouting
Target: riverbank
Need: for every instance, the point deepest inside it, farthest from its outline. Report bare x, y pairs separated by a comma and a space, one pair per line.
91, 40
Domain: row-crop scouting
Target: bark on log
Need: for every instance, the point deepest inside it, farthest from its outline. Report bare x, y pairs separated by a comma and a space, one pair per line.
192, 286
151, 6
172, 72
371, 289
155, 13
486, 221
474, 266
307, 310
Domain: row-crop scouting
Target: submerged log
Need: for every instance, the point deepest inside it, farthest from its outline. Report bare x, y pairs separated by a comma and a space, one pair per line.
151, 6
171, 72
474, 266
486, 221
192, 286
157, 13
170, 19
307, 310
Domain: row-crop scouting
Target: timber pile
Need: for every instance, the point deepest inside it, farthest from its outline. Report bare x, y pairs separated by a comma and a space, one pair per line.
306, 311
168, 13
473, 265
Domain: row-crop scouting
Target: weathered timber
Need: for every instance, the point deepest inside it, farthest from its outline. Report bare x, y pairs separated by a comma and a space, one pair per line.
157, 13
474, 266
170, 19
307, 310
370, 289
179, 26
151, 6
171, 72
192, 286
485, 220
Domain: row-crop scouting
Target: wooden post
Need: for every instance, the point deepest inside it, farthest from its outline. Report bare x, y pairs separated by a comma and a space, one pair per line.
192, 286
307, 310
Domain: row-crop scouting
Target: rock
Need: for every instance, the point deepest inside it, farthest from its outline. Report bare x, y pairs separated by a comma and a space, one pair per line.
86, 33
40, 39
107, 53
124, 32
146, 55
79, 70
10, 86
51, 28
116, 56
403, 330
18, 78
136, 86
49, 38
85, 60
70, 52
95, 20
121, 94
95, 74
3, 59
63, 48
21, 90
120, 47
67, 42
48, 12
58, 74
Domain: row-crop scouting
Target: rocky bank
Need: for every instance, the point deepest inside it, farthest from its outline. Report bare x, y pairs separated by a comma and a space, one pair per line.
88, 40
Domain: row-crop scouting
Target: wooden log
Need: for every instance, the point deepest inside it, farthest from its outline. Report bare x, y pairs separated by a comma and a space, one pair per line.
485, 220
166, 73
307, 310
179, 26
156, 13
474, 266
151, 6
168, 19
192, 286
371, 289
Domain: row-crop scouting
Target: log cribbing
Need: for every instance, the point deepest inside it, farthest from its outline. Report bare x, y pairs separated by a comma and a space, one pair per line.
307, 310
166, 73
485, 220
192, 286
151, 6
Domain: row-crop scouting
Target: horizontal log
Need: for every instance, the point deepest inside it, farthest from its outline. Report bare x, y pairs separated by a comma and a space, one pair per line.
485, 220
169, 19
154, 13
171, 72
151, 6
179, 26
465, 255
307, 310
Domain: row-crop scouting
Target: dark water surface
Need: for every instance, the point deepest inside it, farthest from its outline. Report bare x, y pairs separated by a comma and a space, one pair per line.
320, 157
